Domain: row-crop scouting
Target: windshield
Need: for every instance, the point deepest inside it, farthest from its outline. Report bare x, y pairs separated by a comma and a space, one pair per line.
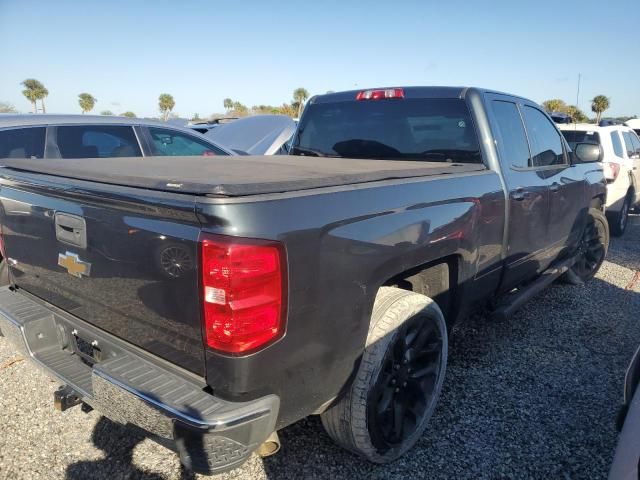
432, 129
574, 137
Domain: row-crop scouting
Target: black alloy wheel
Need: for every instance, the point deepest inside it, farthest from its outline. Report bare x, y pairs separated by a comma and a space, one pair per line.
592, 249
405, 389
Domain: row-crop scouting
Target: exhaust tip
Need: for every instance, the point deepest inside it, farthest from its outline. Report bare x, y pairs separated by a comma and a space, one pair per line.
270, 446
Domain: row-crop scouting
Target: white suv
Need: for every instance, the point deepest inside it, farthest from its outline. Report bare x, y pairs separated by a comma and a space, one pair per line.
635, 124
621, 162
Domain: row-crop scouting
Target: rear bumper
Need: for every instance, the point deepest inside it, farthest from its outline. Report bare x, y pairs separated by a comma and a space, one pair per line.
131, 387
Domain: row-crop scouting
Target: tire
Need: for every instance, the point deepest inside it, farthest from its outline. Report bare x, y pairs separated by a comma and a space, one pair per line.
358, 421
620, 219
592, 250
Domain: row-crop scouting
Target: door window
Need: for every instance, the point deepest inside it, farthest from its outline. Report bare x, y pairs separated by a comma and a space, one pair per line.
172, 143
617, 144
22, 143
635, 142
97, 141
512, 140
545, 141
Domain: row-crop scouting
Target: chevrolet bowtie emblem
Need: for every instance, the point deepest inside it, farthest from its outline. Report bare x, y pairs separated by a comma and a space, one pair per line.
72, 263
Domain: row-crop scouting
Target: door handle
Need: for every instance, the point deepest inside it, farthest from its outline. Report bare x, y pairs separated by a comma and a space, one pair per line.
519, 194
71, 229
555, 186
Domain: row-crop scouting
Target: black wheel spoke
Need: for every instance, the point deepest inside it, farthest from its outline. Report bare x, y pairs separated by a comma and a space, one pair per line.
431, 369
421, 339
385, 400
399, 410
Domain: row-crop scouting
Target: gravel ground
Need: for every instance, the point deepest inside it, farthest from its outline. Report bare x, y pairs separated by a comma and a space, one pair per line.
533, 397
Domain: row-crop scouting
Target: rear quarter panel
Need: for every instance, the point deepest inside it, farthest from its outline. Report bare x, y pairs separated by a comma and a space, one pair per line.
341, 246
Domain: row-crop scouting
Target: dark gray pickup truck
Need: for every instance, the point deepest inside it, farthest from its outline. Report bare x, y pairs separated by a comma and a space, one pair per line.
213, 301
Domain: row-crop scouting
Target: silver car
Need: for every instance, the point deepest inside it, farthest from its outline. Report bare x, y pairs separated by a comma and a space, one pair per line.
89, 136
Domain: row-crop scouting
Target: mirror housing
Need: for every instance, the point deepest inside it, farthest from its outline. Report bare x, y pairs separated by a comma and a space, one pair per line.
588, 153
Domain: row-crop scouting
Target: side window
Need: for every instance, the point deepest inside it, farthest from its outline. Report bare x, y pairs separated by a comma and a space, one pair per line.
617, 144
628, 143
546, 145
512, 140
172, 143
22, 143
635, 142
97, 141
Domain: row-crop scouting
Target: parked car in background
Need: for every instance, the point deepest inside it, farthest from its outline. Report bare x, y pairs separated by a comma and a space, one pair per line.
256, 135
620, 156
323, 282
561, 117
98, 136
203, 126
635, 124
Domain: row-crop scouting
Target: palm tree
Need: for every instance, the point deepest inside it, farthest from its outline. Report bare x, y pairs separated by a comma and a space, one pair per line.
598, 105
576, 114
6, 107
228, 103
554, 105
300, 95
43, 93
34, 90
86, 102
166, 104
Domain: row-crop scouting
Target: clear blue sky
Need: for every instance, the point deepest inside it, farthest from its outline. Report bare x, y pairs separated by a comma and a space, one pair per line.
126, 53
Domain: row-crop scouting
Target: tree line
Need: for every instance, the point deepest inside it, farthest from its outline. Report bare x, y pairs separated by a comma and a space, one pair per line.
292, 109
599, 104
35, 92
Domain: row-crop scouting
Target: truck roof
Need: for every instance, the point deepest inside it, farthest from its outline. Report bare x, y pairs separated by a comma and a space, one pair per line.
409, 92
234, 176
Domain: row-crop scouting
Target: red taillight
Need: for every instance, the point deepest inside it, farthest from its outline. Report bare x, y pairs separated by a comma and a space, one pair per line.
243, 291
380, 94
611, 171
208, 153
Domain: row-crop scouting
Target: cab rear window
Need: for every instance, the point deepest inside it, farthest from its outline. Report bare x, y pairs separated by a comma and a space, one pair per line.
428, 129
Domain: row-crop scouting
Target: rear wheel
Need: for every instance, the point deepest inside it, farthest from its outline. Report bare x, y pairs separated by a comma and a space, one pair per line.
619, 220
395, 391
592, 249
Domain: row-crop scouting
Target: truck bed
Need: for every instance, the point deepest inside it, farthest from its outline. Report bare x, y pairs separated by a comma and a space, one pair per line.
236, 176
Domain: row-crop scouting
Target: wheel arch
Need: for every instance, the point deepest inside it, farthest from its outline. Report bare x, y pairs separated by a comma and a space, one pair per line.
437, 279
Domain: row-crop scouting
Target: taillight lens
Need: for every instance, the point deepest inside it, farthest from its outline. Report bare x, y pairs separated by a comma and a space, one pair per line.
380, 94
611, 171
243, 291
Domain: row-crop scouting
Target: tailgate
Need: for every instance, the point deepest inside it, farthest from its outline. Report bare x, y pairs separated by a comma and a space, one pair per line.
121, 259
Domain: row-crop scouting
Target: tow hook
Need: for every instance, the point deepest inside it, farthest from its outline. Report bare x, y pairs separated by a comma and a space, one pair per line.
64, 398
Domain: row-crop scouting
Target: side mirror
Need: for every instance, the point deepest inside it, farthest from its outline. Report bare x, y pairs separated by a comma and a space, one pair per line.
588, 152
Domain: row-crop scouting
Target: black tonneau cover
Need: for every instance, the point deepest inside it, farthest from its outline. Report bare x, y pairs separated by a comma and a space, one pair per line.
234, 176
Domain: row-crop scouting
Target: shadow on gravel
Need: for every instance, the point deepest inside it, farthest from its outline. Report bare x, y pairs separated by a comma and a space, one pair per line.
532, 397
117, 441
